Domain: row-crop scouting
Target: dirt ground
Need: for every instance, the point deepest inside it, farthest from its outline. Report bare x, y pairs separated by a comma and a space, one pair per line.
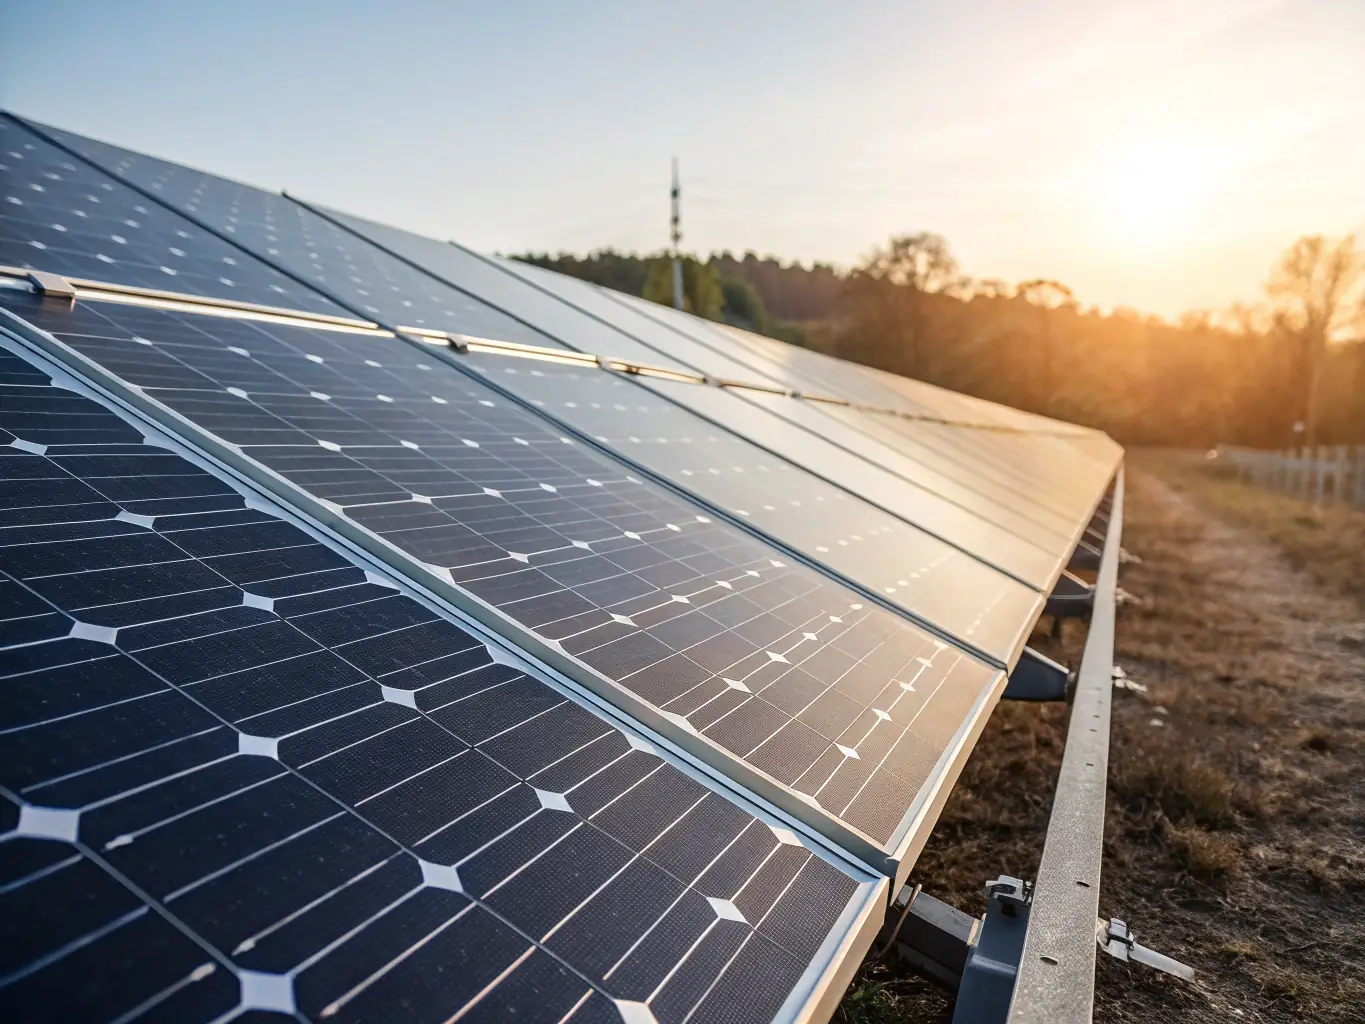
1235, 838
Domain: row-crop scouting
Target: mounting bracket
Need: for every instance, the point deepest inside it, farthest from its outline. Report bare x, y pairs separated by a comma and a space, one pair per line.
54, 288
934, 938
1037, 677
1085, 556
988, 979
1071, 597
978, 958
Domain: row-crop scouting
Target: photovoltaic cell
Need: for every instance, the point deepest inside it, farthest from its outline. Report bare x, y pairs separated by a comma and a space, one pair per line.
242, 777
926, 576
60, 215
283, 232
850, 705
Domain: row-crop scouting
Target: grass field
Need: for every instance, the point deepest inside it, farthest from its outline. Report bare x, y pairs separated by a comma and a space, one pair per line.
1235, 838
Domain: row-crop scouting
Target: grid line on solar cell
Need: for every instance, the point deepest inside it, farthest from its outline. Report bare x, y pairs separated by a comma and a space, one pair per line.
769, 661
60, 215
127, 741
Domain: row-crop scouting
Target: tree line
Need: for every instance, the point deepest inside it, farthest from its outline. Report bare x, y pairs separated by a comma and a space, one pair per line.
1286, 370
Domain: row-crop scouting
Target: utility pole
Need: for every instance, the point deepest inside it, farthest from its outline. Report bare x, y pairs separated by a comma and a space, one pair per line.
676, 236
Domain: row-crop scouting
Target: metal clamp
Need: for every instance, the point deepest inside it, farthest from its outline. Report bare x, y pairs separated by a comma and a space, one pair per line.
1118, 940
1013, 893
53, 287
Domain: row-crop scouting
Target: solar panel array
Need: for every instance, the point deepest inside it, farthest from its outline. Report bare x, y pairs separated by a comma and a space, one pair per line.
254, 759
386, 682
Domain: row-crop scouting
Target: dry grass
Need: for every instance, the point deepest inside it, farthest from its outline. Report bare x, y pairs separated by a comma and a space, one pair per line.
1206, 855
1236, 819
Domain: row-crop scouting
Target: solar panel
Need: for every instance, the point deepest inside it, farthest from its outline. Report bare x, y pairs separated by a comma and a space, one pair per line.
62, 216
242, 776
896, 465
927, 577
980, 456
552, 303
728, 353
847, 712
582, 316
599, 302
978, 452
281, 231
776, 422
795, 368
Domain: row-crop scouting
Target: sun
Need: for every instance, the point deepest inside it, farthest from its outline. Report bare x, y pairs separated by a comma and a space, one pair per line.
1152, 194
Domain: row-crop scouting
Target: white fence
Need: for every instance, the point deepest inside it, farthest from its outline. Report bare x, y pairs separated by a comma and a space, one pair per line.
1337, 474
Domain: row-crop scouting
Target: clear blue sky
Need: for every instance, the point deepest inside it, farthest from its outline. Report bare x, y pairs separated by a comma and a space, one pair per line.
1154, 154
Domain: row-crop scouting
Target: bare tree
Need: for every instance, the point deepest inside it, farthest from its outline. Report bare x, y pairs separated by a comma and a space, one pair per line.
1243, 319
921, 261
885, 300
1314, 291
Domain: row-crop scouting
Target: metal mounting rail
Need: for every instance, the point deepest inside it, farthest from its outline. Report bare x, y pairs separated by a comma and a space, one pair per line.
1031, 958
1056, 979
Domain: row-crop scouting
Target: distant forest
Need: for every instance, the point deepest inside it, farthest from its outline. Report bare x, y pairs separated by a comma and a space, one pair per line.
1244, 375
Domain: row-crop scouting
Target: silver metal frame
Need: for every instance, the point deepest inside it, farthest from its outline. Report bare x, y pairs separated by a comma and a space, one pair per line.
1056, 979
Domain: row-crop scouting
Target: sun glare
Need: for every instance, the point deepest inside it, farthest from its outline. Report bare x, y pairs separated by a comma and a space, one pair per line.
1152, 195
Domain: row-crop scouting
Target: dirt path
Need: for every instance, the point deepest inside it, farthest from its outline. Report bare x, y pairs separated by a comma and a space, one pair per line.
1237, 832
1236, 818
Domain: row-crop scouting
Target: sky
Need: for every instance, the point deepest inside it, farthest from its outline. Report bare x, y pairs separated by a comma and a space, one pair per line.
1154, 155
